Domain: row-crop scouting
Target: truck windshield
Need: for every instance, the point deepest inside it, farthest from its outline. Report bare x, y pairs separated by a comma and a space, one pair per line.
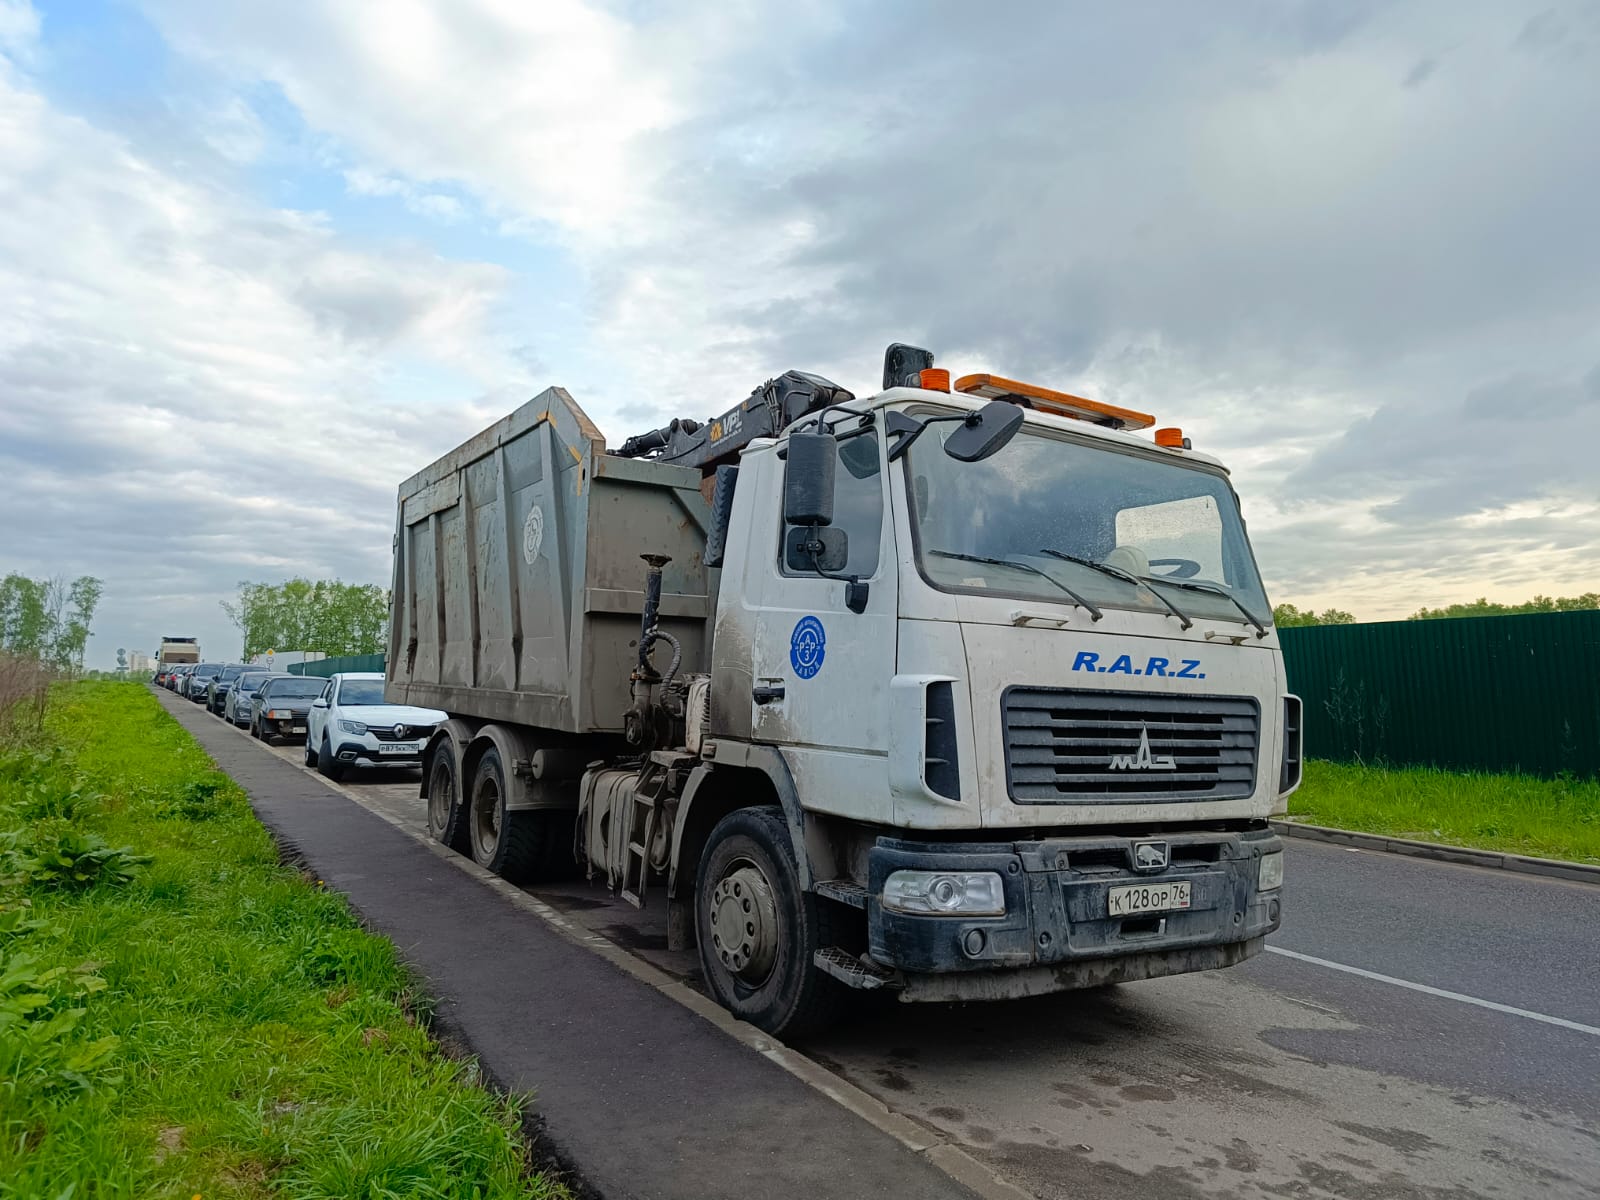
1047, 500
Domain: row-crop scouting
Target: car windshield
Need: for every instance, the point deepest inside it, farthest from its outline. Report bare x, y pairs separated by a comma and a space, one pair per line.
1044, 501
358, 692
249, 683
206, 672
294, 689
230, 672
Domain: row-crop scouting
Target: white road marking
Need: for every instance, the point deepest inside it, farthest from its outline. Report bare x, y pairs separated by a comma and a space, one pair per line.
1440, 992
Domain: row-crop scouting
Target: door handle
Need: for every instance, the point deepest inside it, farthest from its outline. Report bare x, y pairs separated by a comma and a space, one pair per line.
766, 693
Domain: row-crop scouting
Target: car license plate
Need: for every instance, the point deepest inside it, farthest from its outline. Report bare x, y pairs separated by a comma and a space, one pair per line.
1149, 897
297, 729
400, 748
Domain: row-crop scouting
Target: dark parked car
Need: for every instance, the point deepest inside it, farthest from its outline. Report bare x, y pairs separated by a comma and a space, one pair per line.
279, 707
219, 687
199, 679
236, 708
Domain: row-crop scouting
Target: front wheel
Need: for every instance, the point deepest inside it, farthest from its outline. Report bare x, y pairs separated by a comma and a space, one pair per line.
327, 763
311, 755
758, 932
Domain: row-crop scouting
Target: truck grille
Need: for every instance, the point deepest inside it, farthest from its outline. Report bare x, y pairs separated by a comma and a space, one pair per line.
1111, 747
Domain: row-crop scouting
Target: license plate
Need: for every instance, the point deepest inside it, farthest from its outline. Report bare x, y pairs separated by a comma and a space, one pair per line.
400, 748
1149, 897
297, 729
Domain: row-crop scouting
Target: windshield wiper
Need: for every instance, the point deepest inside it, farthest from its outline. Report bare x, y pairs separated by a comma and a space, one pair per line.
1125, 576
1095, 613
1213, 590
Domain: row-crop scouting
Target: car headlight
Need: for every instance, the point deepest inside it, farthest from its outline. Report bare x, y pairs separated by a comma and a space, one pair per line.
1269, 875
355, 727
952, 893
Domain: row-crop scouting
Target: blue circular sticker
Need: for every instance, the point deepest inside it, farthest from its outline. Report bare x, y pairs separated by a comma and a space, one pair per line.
808, 646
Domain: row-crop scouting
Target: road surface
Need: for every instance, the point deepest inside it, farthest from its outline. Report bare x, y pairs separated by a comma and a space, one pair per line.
1417, 1029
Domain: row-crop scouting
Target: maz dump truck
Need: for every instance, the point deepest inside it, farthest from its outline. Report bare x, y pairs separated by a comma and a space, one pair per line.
178, 650
966, 691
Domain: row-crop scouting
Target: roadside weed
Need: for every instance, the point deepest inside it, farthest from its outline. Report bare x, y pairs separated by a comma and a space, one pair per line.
189, 1016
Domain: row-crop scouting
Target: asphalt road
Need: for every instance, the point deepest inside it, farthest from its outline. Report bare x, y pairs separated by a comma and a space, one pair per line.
1279, 1077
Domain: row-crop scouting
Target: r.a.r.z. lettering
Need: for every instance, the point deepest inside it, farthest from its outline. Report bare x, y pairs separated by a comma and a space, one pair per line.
1187, 668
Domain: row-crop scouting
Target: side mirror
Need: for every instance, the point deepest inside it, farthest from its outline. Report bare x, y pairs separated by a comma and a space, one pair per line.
817, 548
808, 481
985, 432
320, 702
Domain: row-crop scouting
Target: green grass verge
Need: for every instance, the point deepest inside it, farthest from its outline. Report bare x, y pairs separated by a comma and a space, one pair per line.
205, 1022
1550, 818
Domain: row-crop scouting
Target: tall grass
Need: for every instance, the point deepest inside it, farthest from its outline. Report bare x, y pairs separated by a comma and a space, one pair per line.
1550, 818
238, 1033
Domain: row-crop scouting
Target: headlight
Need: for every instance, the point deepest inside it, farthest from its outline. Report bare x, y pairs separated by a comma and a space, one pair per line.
355, 727
953, 893
1270, 874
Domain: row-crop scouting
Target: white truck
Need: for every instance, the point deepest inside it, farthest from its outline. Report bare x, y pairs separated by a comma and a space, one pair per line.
966, 692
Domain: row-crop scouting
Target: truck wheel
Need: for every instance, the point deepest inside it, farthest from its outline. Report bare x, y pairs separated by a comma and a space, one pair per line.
327, 763
447, 815
758, 932
504, 841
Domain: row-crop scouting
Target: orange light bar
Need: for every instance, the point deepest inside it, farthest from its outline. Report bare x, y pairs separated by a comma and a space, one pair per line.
994, 387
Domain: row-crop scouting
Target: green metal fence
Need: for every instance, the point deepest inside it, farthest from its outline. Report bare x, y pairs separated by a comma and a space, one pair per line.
332, 666
1515, 693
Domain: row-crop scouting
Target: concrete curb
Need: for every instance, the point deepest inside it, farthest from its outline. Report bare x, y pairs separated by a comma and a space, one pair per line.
946, 1157
1524, 864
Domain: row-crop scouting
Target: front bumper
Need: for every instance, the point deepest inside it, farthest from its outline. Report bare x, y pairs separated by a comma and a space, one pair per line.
1057, 907
367, 752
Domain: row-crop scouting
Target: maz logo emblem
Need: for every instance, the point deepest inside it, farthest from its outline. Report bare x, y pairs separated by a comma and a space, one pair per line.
1150, 856
1141, 759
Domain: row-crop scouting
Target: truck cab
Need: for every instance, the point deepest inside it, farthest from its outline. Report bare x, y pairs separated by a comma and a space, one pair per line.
1049, 673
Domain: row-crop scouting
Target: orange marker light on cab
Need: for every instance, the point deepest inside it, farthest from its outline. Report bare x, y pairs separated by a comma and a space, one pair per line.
1172, 438
934, 379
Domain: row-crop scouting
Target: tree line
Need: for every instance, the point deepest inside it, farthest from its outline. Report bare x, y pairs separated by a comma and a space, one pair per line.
48, 620
301, 614
1287, 616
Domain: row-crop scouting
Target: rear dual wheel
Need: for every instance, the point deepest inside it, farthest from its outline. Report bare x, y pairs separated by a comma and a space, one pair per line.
474, 817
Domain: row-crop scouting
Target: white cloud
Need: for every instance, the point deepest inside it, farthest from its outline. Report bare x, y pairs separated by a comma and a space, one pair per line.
195, 389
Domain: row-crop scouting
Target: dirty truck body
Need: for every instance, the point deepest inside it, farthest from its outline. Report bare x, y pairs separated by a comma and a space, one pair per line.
885, 707
178, 650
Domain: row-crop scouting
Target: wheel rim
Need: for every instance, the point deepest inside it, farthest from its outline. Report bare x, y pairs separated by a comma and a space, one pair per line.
441, 796
744, 922
486, 815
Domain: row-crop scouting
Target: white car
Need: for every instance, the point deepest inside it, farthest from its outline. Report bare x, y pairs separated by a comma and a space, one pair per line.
350, 725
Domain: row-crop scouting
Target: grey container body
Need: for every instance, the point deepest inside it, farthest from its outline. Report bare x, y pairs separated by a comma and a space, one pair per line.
518, 585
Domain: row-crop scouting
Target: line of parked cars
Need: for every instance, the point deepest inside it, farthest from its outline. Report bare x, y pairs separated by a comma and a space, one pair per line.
342, 719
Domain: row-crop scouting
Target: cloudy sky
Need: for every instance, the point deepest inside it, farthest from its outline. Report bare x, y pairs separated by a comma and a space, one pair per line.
260, 261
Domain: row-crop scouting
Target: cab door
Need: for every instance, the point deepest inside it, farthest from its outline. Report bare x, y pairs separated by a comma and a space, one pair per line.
822, 672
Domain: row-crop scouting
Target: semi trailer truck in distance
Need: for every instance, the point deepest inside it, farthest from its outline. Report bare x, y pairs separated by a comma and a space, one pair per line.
964, 691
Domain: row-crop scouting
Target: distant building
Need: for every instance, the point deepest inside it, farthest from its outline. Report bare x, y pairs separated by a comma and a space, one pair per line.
140, 664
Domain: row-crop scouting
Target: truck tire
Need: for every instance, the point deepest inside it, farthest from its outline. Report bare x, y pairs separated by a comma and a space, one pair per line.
447, 814
504, 841
765, 972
